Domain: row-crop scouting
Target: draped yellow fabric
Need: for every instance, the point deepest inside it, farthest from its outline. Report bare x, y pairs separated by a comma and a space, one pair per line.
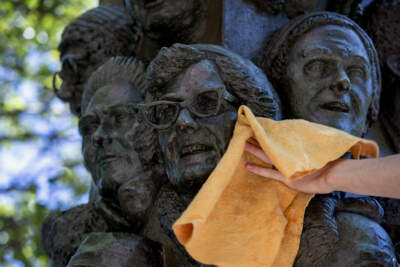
239, 219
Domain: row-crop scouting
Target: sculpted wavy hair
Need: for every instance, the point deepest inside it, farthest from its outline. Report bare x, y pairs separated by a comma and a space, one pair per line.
241, 77
102, 29
98, 34
274, 59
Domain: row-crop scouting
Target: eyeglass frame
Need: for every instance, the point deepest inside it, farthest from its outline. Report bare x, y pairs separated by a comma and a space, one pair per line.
74, 66
222, 94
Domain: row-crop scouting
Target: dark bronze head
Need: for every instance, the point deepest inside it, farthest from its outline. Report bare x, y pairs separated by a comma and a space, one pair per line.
88, 42
108, 124
170, 21
326, 70
193, 96
344, 232
382, 23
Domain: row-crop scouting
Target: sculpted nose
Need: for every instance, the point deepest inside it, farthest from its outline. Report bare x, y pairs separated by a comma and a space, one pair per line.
341, 83
186, 121
100, 137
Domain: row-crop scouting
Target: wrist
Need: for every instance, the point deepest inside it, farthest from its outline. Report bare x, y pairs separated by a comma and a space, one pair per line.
334, 176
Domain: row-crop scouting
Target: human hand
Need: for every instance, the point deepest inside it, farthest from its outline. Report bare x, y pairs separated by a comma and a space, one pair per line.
315, 183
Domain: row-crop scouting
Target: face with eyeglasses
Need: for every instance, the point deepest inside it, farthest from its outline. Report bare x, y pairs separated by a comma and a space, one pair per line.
329, 79
195, 119
108, 125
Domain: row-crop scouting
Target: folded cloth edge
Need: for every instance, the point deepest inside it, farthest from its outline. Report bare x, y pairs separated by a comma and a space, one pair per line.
183, 227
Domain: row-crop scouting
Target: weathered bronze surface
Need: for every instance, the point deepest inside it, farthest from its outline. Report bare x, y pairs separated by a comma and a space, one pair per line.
382, 23
192, 99
111, 139
152, 137
194, 107
344, 232
326, 70
88, 42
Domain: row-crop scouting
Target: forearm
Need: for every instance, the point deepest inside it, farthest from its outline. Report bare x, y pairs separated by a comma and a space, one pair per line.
376, 177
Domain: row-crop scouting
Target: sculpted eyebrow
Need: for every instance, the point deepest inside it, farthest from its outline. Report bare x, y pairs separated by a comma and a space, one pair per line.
122, 107
361, 60
309, 51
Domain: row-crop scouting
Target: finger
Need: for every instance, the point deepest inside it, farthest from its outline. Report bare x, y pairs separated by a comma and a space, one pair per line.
258, 152
266, 172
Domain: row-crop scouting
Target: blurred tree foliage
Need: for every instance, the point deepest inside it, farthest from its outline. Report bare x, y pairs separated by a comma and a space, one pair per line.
40, 162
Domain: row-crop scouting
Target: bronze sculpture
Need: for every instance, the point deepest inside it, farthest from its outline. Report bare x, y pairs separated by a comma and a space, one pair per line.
317, 70
89, 41
210, 86
192, 95
326, 70
381, 22
111, 134
168, 21
192, 99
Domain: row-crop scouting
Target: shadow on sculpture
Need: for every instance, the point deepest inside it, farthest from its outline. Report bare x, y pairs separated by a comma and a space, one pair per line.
170, 21
88, 42
326, 70
127, 186
324, 67
193, 95
382, 23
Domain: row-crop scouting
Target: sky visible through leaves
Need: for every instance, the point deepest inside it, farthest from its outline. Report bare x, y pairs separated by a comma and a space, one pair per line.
40, 159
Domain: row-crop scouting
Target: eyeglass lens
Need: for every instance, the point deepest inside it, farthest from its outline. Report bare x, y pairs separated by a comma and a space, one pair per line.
203, 104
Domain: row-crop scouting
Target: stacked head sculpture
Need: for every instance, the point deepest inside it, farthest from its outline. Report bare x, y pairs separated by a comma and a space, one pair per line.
88, 42
193, 95
326, 70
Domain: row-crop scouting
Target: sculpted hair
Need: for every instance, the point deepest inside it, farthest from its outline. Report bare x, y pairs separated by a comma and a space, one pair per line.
320, 229
103, 29
130, 70
116, 69
241, 77
274, 60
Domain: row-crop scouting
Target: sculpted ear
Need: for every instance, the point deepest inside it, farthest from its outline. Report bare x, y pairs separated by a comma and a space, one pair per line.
393, 62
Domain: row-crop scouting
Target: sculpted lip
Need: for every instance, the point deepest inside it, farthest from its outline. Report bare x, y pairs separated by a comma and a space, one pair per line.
194, 149
337, 106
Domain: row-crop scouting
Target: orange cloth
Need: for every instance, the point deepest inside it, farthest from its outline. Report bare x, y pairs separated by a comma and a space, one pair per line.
239, 219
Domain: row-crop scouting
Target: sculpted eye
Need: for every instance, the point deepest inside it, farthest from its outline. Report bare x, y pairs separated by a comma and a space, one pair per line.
87, 129
119, 118
88, 125
356, 72
206, 103
316, 68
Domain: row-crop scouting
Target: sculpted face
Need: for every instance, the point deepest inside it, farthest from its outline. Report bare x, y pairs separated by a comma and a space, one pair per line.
368, 245
76, 67
107, 126
197, 122
158, 16
329, 79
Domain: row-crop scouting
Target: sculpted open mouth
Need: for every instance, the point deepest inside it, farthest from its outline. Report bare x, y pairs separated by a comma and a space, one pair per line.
194, 149
336, 106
